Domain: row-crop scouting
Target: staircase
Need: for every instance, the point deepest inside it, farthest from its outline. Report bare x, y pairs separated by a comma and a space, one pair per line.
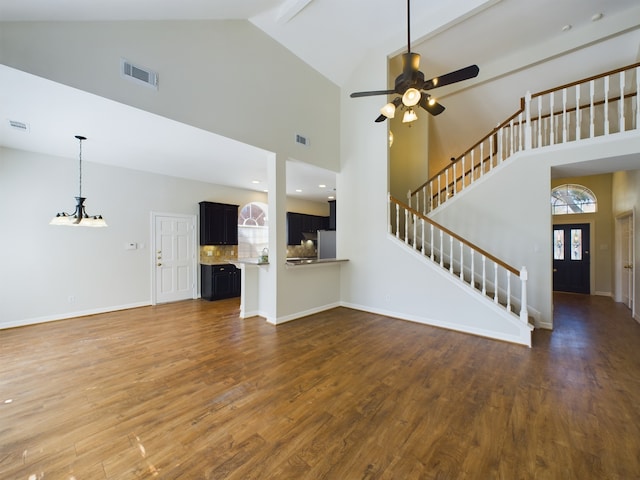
598, 106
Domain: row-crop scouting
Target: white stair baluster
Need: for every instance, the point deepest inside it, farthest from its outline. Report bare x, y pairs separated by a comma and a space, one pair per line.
397, 221
431, 244
499, 146
430, 195
520, 146
473, 269
491, 148
446, 184
423, 239
508, 290
439, 189
511, 137
450, 254
424, 200
622, 85
484, 275
528, 132
564, 115
455, 179
540, 122
606, 105
495, 282
462, 261
552, 136
406, 226
592, 125
524, 313
637, 104
463, 173
414, 217
578, 119
441, 248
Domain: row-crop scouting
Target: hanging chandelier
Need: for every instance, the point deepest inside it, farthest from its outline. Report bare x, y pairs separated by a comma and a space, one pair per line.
79, 218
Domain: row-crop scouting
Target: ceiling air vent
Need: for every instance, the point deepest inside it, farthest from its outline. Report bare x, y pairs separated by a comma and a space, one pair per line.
23, 127
139, 74
304, 141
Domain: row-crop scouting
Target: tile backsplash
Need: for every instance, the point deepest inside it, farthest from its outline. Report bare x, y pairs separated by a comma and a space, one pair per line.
211, 254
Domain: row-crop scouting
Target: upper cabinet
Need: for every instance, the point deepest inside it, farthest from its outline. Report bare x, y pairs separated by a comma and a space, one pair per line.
299, 224
218, 224
332, 215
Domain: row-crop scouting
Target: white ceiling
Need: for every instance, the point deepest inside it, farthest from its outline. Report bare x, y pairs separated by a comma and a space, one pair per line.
502, 36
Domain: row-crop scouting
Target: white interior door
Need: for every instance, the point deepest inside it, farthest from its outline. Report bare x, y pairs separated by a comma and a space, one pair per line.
174, 257
626, 249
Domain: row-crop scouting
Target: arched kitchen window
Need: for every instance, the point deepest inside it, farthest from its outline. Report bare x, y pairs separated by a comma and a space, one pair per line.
570, 198
253, 230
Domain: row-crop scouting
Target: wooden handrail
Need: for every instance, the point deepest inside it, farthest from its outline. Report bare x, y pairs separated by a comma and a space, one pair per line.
504, 265
585, 80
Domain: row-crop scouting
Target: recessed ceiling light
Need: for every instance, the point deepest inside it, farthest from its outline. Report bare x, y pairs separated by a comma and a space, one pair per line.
256, 182
566, 28
597, 17
265, 190
298, 190
331, 197
322, 186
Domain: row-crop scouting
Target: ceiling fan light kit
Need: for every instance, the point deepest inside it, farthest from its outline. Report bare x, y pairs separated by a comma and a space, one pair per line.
410, 85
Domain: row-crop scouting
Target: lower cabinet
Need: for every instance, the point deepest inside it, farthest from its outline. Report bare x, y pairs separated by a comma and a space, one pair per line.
219, 281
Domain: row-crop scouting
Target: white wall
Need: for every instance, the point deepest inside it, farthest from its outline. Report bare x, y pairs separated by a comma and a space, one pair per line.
204, 67
43, 265
508, 212
626, 198
382, 276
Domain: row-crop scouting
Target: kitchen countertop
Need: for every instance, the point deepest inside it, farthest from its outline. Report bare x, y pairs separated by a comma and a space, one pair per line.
297, 262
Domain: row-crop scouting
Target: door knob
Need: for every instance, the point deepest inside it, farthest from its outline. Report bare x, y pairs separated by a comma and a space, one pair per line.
159, 264
555, 269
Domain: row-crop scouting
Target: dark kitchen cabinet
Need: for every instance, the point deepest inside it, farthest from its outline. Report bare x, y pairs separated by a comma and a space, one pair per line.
332, 215
218, 224
219, 281
300, 223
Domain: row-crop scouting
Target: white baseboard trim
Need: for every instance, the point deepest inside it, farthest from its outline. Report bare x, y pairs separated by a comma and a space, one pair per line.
305, 313
525, 339
603, 294
68, 315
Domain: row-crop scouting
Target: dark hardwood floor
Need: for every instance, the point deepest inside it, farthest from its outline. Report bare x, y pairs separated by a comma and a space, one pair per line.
190, 391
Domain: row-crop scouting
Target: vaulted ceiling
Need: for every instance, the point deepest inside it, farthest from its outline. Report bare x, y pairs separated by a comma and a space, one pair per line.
519, 44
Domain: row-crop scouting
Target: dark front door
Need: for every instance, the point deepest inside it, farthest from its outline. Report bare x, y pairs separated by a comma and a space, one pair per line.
571, 255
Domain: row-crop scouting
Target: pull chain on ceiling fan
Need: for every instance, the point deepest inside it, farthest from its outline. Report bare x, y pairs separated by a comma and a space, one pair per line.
411, 87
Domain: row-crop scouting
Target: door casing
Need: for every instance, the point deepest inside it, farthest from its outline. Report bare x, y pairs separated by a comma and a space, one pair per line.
154, 248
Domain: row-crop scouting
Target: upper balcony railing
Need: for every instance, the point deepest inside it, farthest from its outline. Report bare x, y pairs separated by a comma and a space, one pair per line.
597, 106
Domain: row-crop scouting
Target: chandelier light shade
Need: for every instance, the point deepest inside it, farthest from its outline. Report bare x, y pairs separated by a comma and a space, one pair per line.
80, 217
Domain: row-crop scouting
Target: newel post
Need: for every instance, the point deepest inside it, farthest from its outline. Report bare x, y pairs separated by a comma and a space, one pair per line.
527, 128
524, 313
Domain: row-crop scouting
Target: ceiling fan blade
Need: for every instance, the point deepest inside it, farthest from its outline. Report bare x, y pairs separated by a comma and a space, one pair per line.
381, 118
434, 109
371, 93
459, 75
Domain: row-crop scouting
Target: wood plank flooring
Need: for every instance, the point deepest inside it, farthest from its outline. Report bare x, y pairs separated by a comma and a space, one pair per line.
190, 391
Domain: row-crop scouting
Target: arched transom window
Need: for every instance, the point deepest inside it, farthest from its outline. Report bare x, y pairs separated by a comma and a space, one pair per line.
253, 230
569, 198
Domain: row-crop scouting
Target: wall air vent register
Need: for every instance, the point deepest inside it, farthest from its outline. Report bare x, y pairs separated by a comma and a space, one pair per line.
139, 74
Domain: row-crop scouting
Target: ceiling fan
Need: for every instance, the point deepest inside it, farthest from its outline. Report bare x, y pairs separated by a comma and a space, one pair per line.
411, 86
